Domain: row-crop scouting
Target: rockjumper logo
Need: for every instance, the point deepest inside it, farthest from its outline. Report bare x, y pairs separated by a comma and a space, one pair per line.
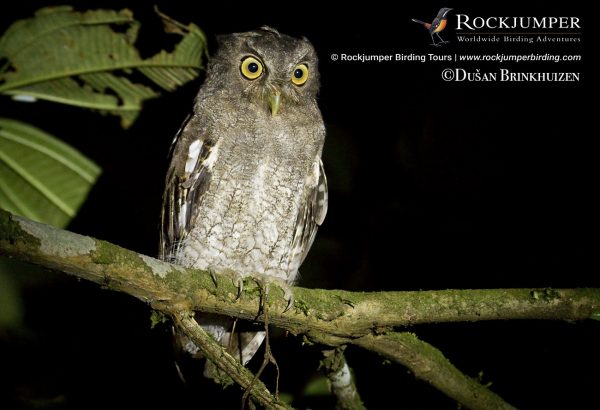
466, 22
436, 26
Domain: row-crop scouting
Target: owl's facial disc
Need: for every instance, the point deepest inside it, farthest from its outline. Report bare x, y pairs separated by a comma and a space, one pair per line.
275, 80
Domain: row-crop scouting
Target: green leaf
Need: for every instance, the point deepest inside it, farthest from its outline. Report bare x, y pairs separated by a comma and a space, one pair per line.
41, 177
78, 58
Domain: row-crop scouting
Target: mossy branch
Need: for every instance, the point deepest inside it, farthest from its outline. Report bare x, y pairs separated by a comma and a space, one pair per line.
331, 317
326, 314
429, 364
215, 352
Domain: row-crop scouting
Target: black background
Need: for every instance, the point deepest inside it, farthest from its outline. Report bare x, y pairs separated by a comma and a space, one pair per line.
433, 185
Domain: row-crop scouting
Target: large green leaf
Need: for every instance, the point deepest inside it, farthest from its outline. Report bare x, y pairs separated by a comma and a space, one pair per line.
78, 58
41, 177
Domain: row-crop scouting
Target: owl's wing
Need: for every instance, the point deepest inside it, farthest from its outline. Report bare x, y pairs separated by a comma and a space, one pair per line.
311, 216
187, 179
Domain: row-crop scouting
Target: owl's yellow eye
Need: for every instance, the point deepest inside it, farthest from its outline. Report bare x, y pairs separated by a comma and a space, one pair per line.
300, 74
251, 68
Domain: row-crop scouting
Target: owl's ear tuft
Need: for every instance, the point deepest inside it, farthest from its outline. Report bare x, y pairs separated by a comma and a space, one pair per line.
270, 30
307, 41
222, 39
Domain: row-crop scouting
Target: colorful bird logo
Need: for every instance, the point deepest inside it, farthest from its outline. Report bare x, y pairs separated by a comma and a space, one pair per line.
436, 26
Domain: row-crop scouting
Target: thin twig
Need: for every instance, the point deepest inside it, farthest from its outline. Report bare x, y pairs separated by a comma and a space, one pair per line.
268, 355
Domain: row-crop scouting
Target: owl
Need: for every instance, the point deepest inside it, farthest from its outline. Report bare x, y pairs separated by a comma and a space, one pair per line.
245, 189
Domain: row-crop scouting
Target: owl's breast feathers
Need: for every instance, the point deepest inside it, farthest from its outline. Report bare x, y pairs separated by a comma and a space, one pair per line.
248, 201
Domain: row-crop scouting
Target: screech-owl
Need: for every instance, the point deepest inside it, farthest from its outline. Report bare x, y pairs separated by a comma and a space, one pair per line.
245, 190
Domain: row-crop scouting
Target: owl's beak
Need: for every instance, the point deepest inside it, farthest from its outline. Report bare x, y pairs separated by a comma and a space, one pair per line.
274, 102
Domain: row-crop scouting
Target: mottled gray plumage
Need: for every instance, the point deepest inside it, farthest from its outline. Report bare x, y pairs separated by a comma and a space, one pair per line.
245, 190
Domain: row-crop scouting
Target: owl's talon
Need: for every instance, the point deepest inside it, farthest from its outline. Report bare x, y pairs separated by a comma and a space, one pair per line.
239, 284
265, 282
236, 279
289, 304
289, 297
213, 276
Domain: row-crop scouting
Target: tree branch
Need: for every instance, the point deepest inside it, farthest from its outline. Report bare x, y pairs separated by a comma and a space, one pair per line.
342, 380
214, 351
430, 365
331, 317
328, 315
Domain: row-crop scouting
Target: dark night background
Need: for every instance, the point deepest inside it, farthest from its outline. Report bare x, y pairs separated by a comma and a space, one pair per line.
433, 185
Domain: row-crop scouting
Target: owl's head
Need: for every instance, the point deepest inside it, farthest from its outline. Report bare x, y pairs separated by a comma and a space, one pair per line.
273, 70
